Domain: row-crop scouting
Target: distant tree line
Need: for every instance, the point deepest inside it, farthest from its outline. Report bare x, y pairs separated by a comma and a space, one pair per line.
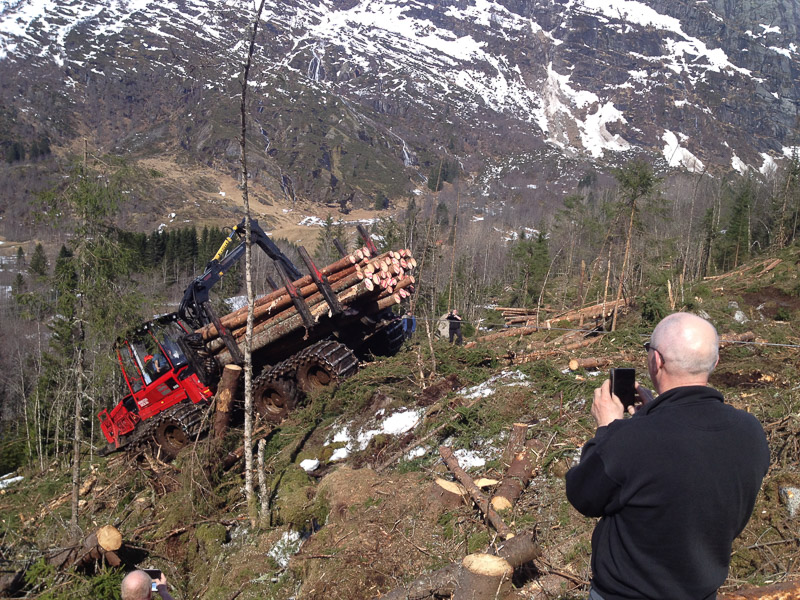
16, 150
180, 250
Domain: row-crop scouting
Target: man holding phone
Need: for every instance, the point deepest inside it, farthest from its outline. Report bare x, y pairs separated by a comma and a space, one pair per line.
676, 482
140, 585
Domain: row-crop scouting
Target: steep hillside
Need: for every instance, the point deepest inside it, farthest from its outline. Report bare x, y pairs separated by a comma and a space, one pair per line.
364, 521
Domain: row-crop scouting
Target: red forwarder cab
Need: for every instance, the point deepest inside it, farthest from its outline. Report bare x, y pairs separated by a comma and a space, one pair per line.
157, 375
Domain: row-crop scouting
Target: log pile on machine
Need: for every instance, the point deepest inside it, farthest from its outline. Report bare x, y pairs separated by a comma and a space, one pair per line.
310, 332
359, 283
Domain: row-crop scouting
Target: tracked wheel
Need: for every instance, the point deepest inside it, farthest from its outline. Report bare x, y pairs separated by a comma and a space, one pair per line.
176, 428
388, 339
323, 365
170, 438
274, 397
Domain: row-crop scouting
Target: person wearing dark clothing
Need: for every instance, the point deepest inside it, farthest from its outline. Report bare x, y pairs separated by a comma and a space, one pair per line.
137, 585
676, 482
409, 325
455, 327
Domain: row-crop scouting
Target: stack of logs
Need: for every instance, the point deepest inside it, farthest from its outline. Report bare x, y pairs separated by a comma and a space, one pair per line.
527, 317
360, 281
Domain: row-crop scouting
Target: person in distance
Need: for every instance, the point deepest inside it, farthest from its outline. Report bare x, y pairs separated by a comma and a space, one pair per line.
675, 483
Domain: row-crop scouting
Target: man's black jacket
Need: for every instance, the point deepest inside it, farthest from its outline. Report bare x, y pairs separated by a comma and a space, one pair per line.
674, 485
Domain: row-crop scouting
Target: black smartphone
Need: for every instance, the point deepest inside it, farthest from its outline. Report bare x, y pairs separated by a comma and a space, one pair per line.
155, 575
623, 385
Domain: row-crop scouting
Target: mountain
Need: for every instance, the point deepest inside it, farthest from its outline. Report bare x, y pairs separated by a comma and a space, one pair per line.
355, 103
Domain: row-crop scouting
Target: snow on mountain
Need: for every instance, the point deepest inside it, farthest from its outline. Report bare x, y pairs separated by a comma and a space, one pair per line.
703, 84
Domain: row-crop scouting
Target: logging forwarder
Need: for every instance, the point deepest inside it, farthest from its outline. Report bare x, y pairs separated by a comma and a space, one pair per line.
674, 483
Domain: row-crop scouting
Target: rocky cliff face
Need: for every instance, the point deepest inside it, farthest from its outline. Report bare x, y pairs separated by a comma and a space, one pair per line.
353, 100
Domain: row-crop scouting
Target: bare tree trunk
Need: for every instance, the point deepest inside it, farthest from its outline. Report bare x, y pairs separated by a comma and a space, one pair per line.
624, 265
689, 229
76, 441
608, 279
252, 506
263, 491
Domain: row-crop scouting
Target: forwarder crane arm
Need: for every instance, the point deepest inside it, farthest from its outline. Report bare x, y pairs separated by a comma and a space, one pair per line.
195, 308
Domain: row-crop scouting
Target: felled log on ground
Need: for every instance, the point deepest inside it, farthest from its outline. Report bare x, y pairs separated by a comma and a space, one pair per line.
516, 551
520, 359
516, 442
780, 591
100, 545
595, 362
85, 488
475, 493
601, 310
483, 577
510, 332
767, 265
516, 478
226, 390
732, 338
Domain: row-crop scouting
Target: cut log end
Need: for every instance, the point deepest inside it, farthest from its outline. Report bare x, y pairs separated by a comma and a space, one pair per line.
487, 564
483, 576
109, 538
448, 494
499, 503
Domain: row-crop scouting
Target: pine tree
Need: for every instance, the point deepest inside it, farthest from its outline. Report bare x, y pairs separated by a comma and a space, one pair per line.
325, 252
39, 264
93, 303
734, 244
532, 258
636, 183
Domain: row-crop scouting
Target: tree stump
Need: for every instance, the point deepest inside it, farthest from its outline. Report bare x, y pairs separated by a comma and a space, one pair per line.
448, 494
483, 577
226, 390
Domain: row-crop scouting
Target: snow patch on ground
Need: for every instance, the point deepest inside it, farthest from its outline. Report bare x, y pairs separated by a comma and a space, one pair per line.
468, 459
7, 480
487, 388
283, 550
309, 465
395, 424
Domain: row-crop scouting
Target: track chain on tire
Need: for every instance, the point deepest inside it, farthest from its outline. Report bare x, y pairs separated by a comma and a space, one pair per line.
185, 415
277, 391
325, 363
388, 340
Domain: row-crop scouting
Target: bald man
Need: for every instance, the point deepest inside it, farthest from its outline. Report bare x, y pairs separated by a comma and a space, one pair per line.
676, 482
137, 585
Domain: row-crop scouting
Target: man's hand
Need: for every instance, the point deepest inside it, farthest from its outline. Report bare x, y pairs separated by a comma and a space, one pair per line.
161, 584
644, 396
606, 406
